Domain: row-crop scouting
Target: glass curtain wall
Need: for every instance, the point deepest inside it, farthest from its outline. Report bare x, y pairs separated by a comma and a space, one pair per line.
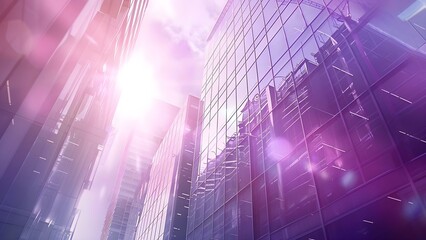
313, 122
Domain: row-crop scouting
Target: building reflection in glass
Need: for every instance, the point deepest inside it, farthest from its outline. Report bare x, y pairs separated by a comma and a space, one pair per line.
313, 123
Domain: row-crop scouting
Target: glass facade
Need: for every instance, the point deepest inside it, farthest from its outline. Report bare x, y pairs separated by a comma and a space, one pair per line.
58, 63
165, 210
123, 212
313, 122
137, 145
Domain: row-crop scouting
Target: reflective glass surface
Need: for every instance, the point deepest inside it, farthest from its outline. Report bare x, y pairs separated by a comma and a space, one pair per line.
330, 137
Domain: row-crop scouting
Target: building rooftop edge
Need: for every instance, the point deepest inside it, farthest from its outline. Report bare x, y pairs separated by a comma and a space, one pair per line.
219, 20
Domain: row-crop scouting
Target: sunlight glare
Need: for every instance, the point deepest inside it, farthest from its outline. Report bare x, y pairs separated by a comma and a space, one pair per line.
137, 86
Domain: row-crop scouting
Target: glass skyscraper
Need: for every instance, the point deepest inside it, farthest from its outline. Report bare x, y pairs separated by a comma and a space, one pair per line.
165, 210
313, 122
136, 155
130, 190
58, 62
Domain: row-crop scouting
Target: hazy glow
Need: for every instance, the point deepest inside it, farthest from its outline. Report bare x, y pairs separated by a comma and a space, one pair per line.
137, 86
415, 8
278, 148
349, 180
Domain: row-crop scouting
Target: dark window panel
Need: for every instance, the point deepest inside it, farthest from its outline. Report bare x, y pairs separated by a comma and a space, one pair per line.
395, 216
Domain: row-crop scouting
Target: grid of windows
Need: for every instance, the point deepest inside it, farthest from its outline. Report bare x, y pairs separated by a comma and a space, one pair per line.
123, 212
311, 124
167, 200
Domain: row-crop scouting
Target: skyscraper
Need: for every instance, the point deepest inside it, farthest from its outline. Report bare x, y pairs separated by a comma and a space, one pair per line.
312, 123
132, 182
58, 63
165, 210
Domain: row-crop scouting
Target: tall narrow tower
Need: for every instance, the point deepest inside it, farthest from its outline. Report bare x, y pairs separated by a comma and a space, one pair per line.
58, 63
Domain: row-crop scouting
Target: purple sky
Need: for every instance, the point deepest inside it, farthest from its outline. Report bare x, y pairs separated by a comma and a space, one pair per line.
172, 40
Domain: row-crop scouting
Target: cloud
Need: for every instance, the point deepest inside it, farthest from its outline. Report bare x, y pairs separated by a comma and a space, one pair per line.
188, 20
173, 38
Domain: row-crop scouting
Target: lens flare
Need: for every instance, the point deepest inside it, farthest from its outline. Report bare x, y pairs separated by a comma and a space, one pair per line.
278, 148
137, 86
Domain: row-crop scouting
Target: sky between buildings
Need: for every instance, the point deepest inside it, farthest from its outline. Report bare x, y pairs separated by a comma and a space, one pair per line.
172, 38
171, 44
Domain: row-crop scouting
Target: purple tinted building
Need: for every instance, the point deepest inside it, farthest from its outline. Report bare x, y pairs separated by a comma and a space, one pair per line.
313, 122
136, 158
165, 210
58, 62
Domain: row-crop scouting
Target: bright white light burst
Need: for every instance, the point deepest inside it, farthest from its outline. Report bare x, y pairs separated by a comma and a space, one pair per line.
138, 88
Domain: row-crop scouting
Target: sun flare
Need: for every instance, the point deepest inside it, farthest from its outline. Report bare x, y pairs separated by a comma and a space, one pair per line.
137, 86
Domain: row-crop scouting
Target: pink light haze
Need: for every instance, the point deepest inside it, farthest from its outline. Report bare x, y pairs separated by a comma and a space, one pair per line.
172, 40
